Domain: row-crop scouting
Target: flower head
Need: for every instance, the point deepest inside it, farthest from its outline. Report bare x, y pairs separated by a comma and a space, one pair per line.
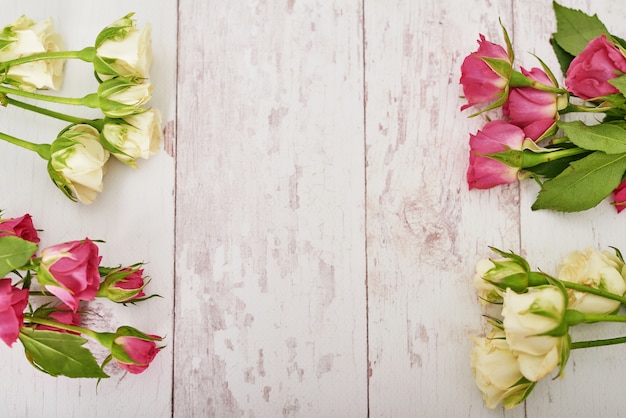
77, 163
497, 372
13, 301
588, 74
134, 350
485, 73
124, 285
599, 270
132, 137
70, 271
496, 136
530, 319
24, 37
533, 110
121, 96
62, 314
21, 227
123, 50
619, 197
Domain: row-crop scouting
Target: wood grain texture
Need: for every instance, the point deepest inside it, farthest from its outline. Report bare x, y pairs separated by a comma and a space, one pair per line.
134, 215
270, 307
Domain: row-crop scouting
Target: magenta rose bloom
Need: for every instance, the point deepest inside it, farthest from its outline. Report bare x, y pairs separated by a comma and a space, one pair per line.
63, 315
481, 83
588, 74
21, 227
619, 196
133, 350
13, 301
123, 285
70, 271
496, 136
533, 110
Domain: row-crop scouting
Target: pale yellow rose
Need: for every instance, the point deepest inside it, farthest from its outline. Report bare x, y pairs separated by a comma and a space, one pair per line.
123, 50
136, 136
120, 97
25, 37
599, 270
497, 372
77, 163
526, 317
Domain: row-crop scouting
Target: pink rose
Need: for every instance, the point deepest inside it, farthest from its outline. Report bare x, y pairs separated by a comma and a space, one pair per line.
63, 315
496, 136
13, 301
21, 227
134, 350
619, 196
588, 74
481, 83
70, 271
533, 110
123, 285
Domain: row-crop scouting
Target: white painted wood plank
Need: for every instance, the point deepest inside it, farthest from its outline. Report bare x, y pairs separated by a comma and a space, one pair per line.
270, 307
592, 377
134, 215
425, 229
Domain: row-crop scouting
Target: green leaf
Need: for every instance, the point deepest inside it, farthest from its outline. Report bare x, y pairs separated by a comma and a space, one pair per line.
619, 83
564, 58
605, 137
575, 29
60, 354
15, 253
583, 184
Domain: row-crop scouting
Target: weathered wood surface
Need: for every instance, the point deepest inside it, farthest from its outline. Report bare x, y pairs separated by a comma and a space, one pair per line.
309, 226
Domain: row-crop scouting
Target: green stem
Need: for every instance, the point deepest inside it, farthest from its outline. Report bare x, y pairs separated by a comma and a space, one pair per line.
597, 343
87, 54
572, 108
539, 278
84, 331
91, 100
42, 149
520, 80
532, 159
96, 123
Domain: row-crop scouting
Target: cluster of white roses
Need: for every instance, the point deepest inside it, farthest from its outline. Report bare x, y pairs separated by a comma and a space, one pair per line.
530, 335
32, 58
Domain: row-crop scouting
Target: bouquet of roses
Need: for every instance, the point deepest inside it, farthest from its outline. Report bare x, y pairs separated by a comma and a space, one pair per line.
530, 330
61, 277
31, 59
576, 164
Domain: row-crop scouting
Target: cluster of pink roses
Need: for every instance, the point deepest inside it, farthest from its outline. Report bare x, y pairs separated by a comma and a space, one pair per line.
71, 272
532, 103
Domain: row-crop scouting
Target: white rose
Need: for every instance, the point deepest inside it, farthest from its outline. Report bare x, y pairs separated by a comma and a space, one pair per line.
597, 270
526, 317
28, 38
77, 163
497, 372
121, 97
126, 51
486, 291
136, 136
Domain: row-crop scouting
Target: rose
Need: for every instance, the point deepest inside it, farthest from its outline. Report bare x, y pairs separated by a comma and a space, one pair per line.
496, 136
497, 372
134, 350
70, 271
136, 136
23, 38
61, 314
588, 74
596, 270
535, 111
123, 50
527, 319
123, 285
482, 81
13, 301
619, 197
494, 276
21, 227
120, 97
77, 161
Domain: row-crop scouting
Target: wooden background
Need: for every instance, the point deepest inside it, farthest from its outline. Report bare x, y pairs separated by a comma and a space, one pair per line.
308, 223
